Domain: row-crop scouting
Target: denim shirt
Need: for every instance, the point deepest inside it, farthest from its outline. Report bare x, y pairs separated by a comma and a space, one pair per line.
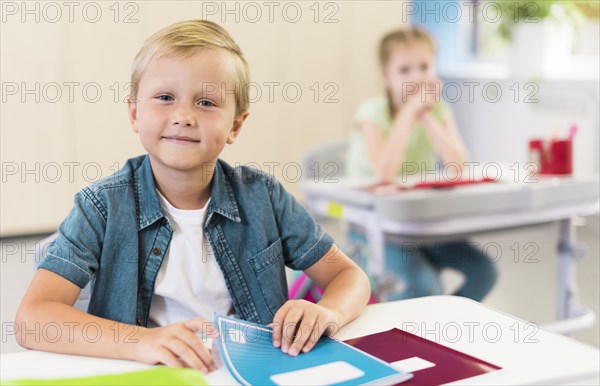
117, 235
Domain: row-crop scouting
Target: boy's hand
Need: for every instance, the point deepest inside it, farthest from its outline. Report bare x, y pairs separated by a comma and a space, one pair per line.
177, 345
298, 325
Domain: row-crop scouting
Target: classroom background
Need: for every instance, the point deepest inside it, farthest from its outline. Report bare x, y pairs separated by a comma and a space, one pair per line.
64, 122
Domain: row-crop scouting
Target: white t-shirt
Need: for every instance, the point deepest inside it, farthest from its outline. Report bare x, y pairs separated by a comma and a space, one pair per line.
189, 283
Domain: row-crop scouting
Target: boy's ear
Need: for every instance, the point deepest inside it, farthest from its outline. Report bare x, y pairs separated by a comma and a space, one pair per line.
132, 107
236, 127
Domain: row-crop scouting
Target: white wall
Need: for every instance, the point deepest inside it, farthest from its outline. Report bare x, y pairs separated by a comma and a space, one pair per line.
97, 135
497, 128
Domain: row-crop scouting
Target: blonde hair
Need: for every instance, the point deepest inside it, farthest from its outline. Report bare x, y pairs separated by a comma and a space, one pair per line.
184, 39
403, 36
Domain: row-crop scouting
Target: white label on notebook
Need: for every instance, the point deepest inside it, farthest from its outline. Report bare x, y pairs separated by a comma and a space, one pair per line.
410, 365
236, 336
327, 374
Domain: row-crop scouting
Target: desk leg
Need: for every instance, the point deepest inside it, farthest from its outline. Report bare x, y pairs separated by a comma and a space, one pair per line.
566, 280
571, 314
376, 243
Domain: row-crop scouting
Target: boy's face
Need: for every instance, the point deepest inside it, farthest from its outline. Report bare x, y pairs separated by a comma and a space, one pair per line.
185, 110
409, 64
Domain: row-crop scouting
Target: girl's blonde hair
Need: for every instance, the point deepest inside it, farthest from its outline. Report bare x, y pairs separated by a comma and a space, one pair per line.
184, 39
400, 37
403, 36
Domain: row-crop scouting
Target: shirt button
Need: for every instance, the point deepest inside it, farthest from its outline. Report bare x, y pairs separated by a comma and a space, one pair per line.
163, 221
140, 322
156, 251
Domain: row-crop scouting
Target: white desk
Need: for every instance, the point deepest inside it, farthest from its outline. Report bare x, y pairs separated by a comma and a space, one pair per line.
435, 214
526, 355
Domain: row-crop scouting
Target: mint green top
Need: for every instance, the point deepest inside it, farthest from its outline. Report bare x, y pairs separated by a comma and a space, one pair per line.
419, 151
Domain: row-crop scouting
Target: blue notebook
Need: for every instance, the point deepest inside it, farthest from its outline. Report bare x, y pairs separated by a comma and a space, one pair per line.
247, 351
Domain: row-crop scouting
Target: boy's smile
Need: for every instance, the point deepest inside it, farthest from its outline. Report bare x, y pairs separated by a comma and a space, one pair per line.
185, 109
179, 140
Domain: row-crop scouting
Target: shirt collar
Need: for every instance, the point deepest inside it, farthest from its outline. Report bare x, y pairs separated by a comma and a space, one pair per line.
222, 199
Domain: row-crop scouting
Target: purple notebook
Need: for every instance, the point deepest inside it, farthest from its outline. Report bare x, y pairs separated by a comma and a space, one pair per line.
430, 362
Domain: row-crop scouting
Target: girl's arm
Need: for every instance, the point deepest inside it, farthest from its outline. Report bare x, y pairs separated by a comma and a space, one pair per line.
387, 154
47, 321
446, 139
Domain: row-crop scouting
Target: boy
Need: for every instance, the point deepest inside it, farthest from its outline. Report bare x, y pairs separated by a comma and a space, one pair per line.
177, 233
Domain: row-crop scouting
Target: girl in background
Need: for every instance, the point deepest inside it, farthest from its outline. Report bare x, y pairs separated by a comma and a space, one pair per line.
407, 130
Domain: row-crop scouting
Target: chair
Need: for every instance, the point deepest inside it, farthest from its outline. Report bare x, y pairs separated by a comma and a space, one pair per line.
83, 299
325, 161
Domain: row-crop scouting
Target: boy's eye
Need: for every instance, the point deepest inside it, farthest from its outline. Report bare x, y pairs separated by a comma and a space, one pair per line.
424, 67
165, 98
404, 70
206, 103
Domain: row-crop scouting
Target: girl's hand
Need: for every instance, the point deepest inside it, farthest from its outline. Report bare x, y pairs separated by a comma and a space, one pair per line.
411, 102
431, 92
177, 345
420, 98
298, 325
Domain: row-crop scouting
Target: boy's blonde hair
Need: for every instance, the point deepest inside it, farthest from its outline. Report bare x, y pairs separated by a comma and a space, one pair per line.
184, 39
403, 36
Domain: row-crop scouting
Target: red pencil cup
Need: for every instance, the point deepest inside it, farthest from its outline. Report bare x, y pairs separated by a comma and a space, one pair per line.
536, 152
555, 157
560, 157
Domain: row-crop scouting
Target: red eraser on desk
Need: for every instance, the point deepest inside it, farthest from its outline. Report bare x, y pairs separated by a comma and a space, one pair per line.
450, 184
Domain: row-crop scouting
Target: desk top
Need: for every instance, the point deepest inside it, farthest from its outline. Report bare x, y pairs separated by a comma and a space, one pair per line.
455, 212
525, 353
502, 196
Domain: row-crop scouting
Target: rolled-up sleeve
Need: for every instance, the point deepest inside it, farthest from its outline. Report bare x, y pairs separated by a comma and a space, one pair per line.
304, 241
75, 253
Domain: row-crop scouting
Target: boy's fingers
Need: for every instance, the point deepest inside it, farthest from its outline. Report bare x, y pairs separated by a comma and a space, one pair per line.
201, 350
315, 335
167, 358
201, 324
330, 328
304, 332
277, 324
289, 328
186, 354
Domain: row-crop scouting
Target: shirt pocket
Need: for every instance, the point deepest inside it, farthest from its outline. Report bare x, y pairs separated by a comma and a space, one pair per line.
269, 269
